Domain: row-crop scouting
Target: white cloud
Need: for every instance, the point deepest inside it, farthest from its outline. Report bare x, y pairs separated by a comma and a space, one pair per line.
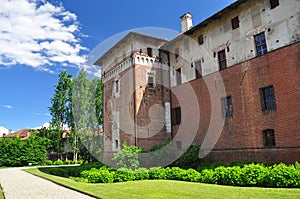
45, 125
3, 130
38, 34
7, 106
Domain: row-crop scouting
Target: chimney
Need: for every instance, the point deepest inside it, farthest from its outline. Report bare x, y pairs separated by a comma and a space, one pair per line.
186, 22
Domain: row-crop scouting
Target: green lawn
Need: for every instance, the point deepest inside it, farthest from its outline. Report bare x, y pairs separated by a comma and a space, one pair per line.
168, 189
1, 193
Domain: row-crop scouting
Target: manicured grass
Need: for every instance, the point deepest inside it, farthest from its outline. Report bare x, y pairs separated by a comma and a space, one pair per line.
1, 193
168, 189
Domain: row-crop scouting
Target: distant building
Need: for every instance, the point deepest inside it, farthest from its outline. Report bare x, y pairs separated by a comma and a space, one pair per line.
252, 47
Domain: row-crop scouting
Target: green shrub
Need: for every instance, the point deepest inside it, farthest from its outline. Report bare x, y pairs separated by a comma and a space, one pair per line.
48, 162
191, 175
102, 175
208, 176
141, 174
57, 171
175, 173
58, 162
254, 175
157, 173
68, 162
128, 157
124, 175
190, 159
229, 176
282, 175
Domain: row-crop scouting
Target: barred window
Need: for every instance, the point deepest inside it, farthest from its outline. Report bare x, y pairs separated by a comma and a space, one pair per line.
268, 101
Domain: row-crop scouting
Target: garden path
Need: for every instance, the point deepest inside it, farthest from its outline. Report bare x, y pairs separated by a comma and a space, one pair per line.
18, 184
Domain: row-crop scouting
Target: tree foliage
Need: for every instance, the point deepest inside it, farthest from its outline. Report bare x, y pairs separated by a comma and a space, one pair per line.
17, 152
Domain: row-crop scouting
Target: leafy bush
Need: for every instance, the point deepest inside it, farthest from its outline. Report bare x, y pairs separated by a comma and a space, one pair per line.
157, 173
228, 176
191, 175
57, 171
208, 176
58, 162
141, 174
17, 152
102, 175
128, 157
190, 159
68, 162
282, 175
124, 175
48, 162
254, 175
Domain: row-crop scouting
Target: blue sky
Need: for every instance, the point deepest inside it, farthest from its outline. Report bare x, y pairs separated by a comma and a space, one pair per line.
40, 38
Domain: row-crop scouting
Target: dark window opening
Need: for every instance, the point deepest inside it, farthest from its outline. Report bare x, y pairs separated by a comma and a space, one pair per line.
149, 52
176, 53
198, 69
116, 144
235, 22
151, 80
274, 3
268, 101
176, 116
117, 86
200, 39
178, 76
227, 106
178, 145
260, 44
222, 59
269, 138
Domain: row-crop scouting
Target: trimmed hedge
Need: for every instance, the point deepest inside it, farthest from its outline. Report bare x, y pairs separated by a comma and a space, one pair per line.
258, 175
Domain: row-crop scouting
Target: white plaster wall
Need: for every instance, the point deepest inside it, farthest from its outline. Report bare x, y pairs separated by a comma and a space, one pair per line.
281, 26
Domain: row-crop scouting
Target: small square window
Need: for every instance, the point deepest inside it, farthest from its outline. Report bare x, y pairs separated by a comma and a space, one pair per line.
235, 22
222, 59
260, 44
269, 138
200, 39
274, 3
268, 101
176, 116
227, 106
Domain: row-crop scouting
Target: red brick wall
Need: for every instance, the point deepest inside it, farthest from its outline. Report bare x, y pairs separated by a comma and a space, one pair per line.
241, 137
